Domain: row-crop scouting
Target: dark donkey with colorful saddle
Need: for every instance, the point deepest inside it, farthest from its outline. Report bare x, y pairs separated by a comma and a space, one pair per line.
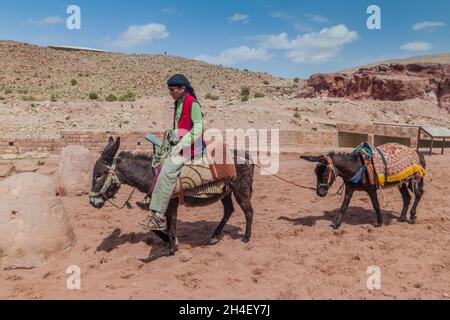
370, 169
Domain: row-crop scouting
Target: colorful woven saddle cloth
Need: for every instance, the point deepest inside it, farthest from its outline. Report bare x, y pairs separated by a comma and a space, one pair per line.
207, 177
394, 162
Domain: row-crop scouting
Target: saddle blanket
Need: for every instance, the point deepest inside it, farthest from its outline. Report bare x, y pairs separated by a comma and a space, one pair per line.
207, 176
401, 163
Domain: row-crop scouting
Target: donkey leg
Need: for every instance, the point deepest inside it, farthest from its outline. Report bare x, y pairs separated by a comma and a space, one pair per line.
406, 201
228, 209
376, 205
418, 192
171, 216
348, 197
243, 198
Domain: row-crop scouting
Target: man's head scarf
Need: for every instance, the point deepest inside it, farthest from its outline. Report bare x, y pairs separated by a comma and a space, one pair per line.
180, 80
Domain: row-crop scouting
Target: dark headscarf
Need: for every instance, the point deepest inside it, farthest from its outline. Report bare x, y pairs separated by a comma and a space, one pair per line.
180, 80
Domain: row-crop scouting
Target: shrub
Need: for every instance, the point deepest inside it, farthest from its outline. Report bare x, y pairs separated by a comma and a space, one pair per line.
8, 91
93, 96
28, 98
74, 82
2, 98
296, 115
266, 82
296, 80
23, 91
259, 95
54, 98
130, 96
211, 97
245, 91
41, 163
245, 98
111, 98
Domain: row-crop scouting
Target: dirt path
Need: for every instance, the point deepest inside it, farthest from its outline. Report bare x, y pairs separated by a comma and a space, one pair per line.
293, 253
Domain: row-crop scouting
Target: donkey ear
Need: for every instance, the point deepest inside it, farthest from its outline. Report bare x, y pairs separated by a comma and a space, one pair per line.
312, 158
111, 149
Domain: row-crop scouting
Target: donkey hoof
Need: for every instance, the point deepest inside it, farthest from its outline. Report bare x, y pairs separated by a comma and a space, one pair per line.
402, 220
168, 253
335, 226
378, 225
412, 221
213, 241
246, 239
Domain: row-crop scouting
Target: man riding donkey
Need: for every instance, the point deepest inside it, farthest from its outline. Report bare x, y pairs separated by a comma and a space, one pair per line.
181, 145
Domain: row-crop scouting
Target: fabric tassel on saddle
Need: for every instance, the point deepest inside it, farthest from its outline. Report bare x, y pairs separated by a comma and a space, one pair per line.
388, 163
203, 178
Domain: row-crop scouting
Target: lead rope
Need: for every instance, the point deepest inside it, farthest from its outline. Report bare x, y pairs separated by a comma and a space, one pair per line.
287, 181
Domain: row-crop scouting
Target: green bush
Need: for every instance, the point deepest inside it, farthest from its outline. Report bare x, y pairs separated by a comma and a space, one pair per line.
245, 91
245, 98
130, 96
28, 98
259, 95
2, 98
54, 98
111, 98
93, 96
296, 115
266, 82
74, 82
8, 91
23, 91
211, 97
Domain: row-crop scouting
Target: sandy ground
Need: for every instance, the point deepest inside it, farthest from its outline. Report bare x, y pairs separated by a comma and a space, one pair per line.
293, 253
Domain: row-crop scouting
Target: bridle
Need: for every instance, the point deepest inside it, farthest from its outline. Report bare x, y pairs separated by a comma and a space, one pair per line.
111, 180
331, 171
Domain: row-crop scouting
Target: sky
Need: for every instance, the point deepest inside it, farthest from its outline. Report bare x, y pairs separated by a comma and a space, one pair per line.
291, 38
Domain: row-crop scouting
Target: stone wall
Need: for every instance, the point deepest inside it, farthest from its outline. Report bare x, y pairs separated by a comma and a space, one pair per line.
95, 141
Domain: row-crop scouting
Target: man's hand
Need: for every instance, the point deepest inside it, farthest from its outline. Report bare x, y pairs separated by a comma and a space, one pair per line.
175, 151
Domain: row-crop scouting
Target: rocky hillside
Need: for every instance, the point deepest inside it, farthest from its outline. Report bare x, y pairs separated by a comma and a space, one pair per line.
29, 72
394, 82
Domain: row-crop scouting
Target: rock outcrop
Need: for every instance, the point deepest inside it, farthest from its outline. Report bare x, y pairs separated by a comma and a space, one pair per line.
75, 171
33, 223
394, 82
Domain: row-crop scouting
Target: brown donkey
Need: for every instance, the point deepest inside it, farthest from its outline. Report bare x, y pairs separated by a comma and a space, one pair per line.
135, 170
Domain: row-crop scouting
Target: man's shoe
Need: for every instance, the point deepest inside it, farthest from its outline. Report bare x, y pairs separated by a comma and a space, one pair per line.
153, 223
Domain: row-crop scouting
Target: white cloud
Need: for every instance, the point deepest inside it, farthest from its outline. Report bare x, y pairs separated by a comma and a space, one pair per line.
140, 35
49, 20
417, 46
316, 18
239, 17
312, 47
428, 25
232, 56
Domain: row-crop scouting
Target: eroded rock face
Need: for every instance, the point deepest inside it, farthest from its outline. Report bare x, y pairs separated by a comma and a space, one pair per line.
394, 82
75, 171
33, 223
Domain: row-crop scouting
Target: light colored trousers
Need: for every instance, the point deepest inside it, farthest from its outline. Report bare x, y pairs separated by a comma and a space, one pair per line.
166, 183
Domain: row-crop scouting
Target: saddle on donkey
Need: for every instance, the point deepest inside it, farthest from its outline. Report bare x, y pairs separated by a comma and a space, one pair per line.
205, 177
389, 163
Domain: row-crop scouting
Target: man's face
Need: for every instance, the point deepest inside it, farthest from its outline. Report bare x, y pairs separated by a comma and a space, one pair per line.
177, 92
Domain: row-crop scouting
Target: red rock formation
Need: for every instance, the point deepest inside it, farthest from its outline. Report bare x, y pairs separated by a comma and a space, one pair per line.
394, 82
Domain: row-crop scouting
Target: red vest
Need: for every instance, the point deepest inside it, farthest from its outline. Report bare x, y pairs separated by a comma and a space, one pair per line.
185, 123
